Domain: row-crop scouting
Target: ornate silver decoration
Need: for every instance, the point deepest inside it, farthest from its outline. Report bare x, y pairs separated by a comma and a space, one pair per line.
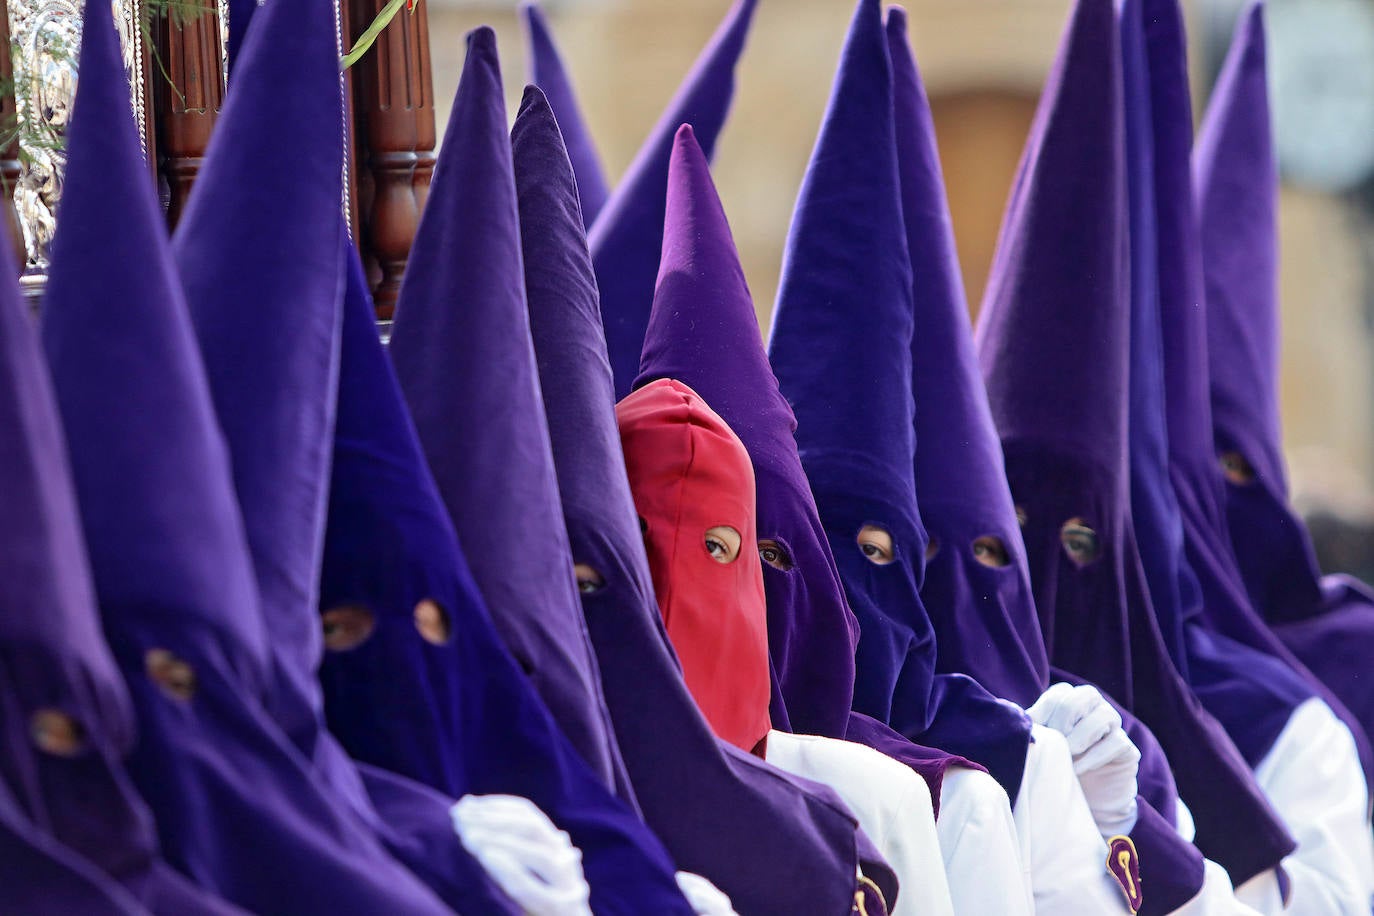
47, 36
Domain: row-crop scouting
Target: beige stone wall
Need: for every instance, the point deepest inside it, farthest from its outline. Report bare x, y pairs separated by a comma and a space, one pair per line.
983, 61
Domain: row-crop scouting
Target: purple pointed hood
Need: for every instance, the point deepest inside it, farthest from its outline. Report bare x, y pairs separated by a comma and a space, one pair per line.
462, 351
77, 810
546, 71
1053, 342
1241, 671
979, 600
703, 331
1174, 591
445, 705
277, 240
1315, 620
68, 718
278, 418
693, 792
153, 474
841, 348
627, 239
1237, 188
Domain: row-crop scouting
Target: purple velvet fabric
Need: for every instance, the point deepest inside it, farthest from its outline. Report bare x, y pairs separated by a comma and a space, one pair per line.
1057, 311
153, 478
627, 238
841, 348
984, 617
704, 802
1328, 623
462, 351
459, 715
75, 818
703, 331
276, 239
546, 70
1235, 665
73, 830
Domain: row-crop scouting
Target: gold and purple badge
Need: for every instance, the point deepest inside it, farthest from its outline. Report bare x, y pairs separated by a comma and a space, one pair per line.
1124, 864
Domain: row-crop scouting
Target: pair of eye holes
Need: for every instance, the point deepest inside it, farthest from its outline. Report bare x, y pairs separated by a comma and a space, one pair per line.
876, 545
349, 626
1078, 539
61, 735
54, 732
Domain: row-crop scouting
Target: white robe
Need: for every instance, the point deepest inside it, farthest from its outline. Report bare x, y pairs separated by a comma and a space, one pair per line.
1312, 777
980, 846
892, 805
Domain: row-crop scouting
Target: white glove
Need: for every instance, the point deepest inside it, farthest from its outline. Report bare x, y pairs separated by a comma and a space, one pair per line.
1104, 757
533, 861
706, 899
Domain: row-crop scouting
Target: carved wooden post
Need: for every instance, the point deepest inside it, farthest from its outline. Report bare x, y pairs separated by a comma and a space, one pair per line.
187, 106
9, 153
394, 120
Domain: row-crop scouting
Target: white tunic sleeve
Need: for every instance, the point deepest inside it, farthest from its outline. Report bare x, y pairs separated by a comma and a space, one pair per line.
979, 843
1312, 777
892, 805
1059, 838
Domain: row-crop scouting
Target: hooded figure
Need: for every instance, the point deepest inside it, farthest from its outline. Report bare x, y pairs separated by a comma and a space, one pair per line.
1057, 300
546, 71
693, 490
276, 239
696, 793
481, 423
843, 319
977, 584
152, 474
404, 620
74, 835
703, 331
1235, 663
627, 237
480, 419
1327, 622
1281, 720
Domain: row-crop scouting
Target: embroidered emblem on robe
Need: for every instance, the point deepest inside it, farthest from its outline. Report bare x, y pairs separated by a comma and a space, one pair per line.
1124, 864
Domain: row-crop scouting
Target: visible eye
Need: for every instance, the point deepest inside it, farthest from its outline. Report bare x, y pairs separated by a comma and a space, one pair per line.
432, 621
589, 581
346, 627
1080, 542
722, 543
1236, 469
175, 678
775, 555
54, 732
990, 551
1021, 516
932, 548
876, 545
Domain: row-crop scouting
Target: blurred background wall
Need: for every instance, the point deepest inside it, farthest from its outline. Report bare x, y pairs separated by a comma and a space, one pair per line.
983, 62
